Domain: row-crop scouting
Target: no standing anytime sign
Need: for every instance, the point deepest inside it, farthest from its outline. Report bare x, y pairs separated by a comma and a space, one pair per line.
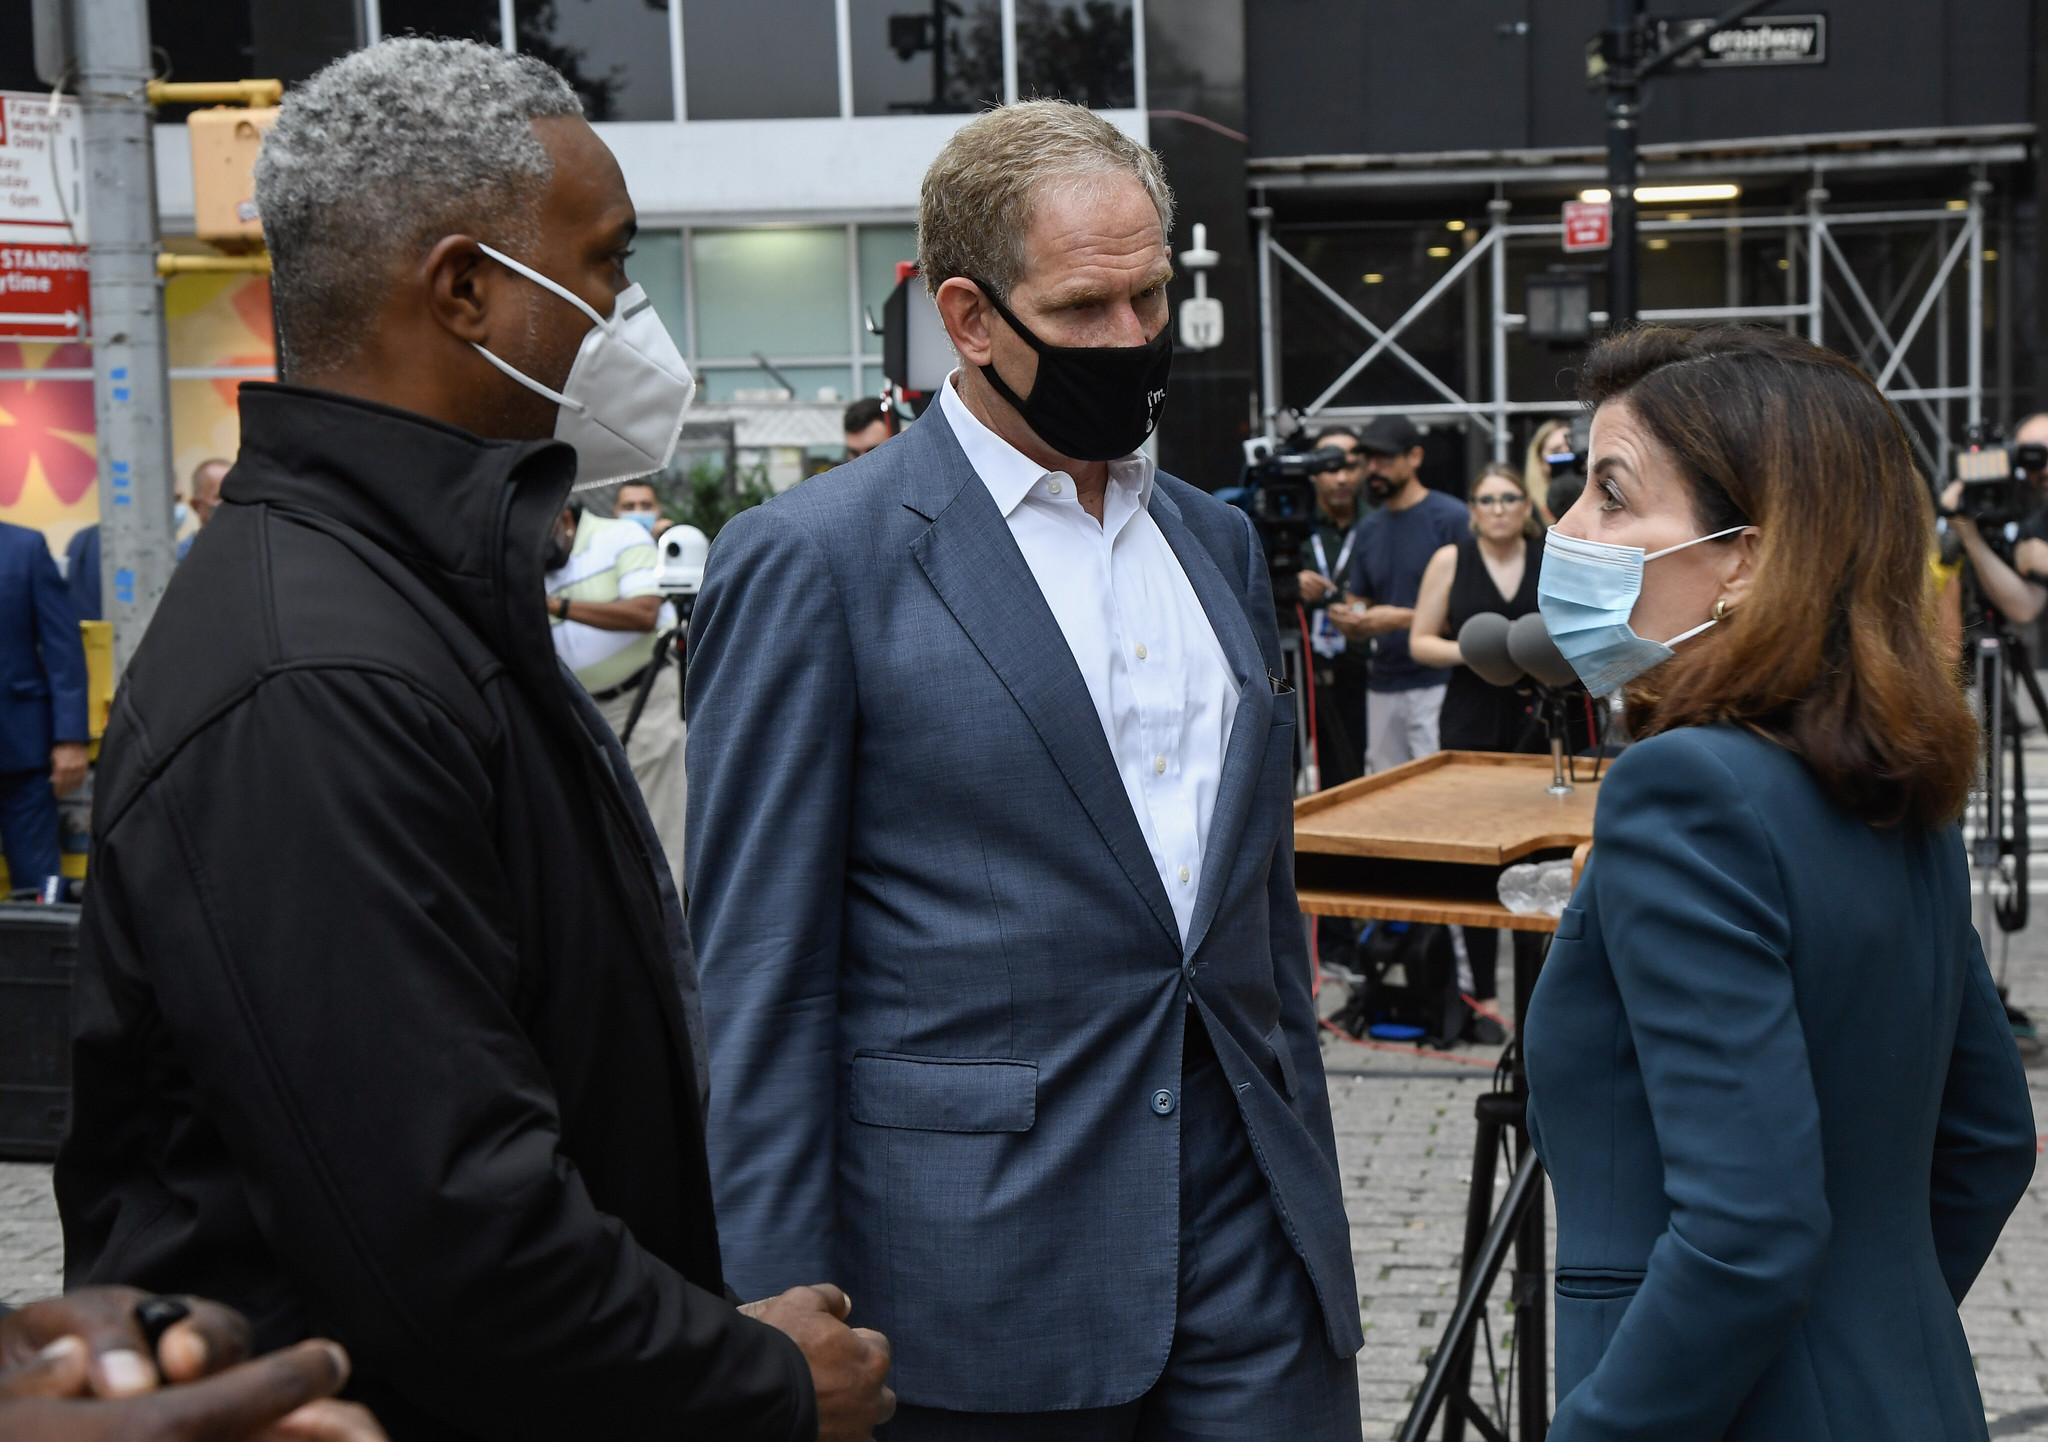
45, 287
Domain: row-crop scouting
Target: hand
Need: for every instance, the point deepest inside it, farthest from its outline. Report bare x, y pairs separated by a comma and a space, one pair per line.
67, 767
1378, 620
117, 1359
2030, 558
1316, 587
278, 1398
1349, 621
848, 1364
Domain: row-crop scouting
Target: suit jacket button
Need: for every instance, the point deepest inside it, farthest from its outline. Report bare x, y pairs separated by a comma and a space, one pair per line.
1162, 1101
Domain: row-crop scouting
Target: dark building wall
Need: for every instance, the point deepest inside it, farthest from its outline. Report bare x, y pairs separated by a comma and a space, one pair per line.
1195, 89
1345, 77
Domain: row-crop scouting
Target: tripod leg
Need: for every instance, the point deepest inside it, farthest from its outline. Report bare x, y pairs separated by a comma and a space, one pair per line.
1472, 1296
1532, 1317
1478, 1213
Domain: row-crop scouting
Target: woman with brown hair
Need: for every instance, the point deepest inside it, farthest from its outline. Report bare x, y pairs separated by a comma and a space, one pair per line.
1776, 1092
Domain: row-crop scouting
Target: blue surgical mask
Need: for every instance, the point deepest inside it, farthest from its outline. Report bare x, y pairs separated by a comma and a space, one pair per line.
1587, 592
643, 519
181, 513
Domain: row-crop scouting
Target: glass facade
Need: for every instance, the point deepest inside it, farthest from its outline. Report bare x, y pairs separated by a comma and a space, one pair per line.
794, 297
1084, 52
615, 52
760, 59
942, 58
443, 19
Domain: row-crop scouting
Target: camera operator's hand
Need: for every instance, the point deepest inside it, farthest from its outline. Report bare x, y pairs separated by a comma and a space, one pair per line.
2015, 597
1316, 588
117, 1354
849, 1365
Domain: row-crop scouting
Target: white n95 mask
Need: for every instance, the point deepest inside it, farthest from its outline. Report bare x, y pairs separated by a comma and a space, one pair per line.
622, 406
1587, 592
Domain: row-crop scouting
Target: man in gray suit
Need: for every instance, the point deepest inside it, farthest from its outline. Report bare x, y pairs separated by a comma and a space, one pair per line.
991, 873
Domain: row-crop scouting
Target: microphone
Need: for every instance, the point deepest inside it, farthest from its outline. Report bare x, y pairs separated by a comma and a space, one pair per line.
1530, 647
1483, 642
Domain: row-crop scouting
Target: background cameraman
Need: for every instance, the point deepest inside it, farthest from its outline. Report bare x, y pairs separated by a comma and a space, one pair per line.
2007, 587
1340, 664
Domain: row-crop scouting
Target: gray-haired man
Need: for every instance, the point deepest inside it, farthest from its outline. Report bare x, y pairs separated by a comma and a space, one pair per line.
991, 875
385, 1009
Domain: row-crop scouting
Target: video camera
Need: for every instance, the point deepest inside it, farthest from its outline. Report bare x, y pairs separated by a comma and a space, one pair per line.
1999, 483
1279, 494
680, 571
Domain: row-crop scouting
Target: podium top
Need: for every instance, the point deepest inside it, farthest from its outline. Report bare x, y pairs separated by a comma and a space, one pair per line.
1481, 808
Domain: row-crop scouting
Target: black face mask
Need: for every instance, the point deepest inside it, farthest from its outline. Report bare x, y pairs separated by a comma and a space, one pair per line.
1093, 403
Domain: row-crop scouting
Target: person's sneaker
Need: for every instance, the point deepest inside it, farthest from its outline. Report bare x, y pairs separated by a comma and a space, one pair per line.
1483, 1030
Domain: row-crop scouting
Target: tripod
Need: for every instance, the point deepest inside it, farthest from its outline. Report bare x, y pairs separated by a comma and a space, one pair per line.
1999, 852
1489, 1234
1292, 684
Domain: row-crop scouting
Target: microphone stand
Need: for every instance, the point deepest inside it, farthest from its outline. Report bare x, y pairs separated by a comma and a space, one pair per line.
1550, 703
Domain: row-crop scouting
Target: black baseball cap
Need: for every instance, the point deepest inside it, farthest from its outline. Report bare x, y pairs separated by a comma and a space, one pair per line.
1390, 436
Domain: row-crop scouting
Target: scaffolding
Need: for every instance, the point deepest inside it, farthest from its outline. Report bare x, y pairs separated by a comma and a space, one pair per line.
1822, 285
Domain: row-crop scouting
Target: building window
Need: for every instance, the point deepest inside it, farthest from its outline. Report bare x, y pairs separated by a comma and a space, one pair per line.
1079, 50
766, 312
442, 19
615, 52
760, 59
945, 57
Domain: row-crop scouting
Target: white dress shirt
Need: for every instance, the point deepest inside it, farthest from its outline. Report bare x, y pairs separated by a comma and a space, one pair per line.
1161, 684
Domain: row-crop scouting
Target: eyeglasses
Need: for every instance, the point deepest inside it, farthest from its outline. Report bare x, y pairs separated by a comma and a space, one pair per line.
1500, 503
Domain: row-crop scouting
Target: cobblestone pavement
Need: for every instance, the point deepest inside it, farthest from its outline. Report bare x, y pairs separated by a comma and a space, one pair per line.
1404, 1139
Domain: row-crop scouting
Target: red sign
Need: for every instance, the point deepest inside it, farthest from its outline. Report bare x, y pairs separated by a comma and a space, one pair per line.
45, 292
1588, 225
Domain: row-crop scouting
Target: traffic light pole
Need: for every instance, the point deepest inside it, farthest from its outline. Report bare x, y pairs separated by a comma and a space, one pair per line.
1625, 67
1624, 111
131, 388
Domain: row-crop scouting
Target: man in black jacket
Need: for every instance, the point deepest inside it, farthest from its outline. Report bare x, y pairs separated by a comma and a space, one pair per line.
387, 1023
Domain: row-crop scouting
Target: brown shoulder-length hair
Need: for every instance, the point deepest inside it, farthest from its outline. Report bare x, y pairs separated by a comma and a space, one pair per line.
1833, 654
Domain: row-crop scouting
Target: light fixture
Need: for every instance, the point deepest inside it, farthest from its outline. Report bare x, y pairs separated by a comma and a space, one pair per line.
1784, 264
1454, 225
1439, 252
1679, 215
1670, 194
1990, 255
1959, 205
1373, 277
1659, 243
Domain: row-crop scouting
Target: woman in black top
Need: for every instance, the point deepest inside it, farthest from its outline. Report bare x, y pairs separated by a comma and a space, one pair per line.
1493, 569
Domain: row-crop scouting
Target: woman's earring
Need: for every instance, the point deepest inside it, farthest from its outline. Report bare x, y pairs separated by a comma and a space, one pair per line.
1720, 610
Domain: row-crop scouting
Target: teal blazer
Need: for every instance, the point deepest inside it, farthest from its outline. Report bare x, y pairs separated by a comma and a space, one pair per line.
1781, 1108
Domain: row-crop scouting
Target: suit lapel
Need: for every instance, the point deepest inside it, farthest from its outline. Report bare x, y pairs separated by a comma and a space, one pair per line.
973, 563
1246, 751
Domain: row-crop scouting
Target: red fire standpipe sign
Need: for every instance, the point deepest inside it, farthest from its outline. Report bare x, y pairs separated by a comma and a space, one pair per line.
1588, 225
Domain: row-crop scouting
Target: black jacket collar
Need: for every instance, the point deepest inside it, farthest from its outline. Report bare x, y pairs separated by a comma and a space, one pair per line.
470, 516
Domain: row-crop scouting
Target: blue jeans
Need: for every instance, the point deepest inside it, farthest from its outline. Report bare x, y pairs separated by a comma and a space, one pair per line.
1249, 1361
28, 826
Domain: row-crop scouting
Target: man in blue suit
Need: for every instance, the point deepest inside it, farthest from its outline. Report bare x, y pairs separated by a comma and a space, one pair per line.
43, 730
991, 872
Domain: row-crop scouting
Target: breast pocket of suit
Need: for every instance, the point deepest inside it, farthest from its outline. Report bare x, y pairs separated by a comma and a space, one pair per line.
943, 1094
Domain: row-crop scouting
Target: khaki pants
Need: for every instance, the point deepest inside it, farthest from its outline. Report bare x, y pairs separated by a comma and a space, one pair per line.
656, 754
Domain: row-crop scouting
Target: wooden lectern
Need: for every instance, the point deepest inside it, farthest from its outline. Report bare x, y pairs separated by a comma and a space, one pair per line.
1427, 842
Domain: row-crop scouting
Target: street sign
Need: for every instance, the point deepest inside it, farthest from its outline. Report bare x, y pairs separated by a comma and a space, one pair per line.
1588, 225
1759, 40
45, 286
